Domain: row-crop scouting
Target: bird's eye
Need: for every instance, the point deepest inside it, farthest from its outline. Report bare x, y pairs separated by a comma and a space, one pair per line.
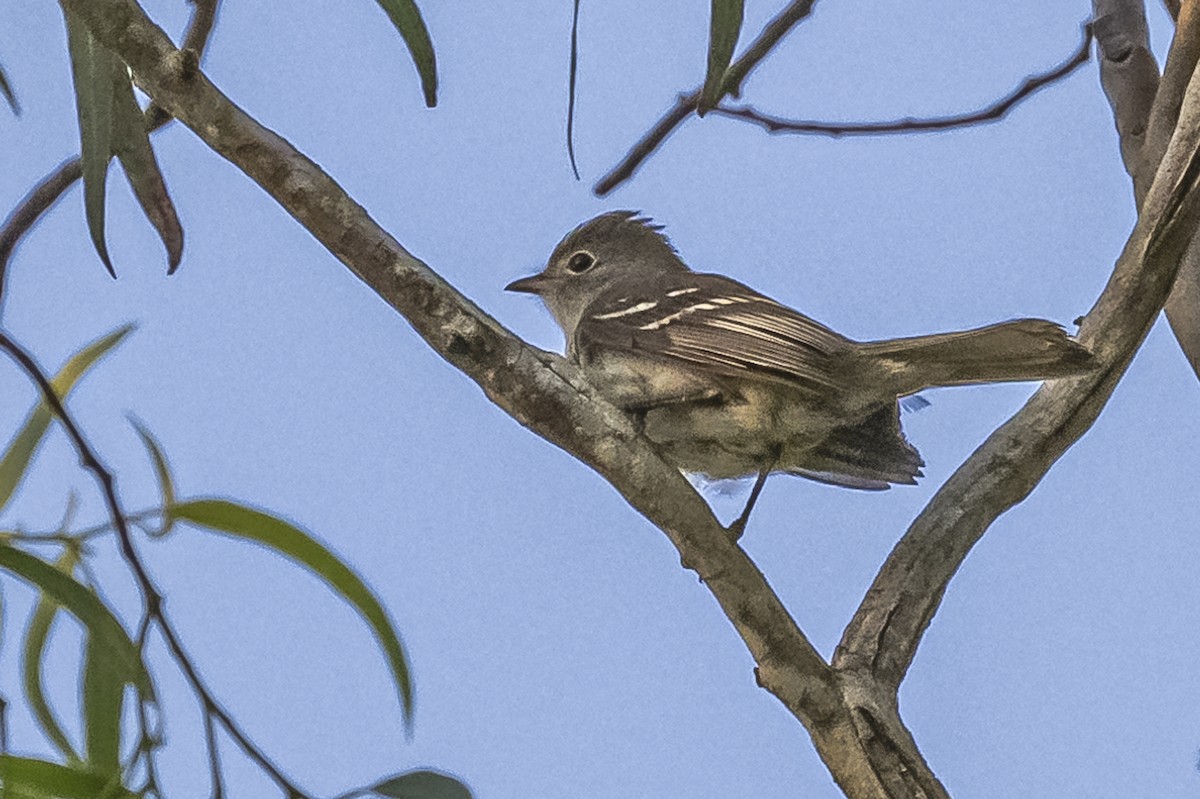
581, 262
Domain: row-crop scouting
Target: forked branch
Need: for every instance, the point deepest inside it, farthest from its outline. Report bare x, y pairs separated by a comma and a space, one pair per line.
883, 635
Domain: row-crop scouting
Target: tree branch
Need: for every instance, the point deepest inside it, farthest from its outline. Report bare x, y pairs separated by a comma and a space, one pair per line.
685, 104
540, 390
1142, 155
991, 113
1129, 75
152, 598
883, 635
42, 196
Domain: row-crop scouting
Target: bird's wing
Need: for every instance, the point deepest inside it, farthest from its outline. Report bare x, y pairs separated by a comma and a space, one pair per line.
719, 325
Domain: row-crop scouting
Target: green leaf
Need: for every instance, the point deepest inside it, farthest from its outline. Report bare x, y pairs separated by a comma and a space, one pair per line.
16, 459
262, 528
111, 123
407, 18
85, 606
27, 778
131, 143
423, 784
722, 39
40, 624
9, 95
162, 469
103, 696
93, 68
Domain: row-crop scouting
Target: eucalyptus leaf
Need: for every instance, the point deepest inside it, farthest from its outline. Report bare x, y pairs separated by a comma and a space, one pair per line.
32, 656
9, 95
29, 778
285, 538
407, 18
131, 144
93, 67
16, 459
103, 696
85, 606
422, 784
724, 29
166, 484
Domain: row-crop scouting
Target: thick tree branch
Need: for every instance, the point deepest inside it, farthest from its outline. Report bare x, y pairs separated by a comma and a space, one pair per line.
1142, 154
1129, 76
883, 636
991, 113
42, 197
685, 104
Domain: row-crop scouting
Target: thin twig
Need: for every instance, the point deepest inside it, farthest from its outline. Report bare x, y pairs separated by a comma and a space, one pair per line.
771, 35
148, 741
80, 537
42, 196
152, 598
214, 757
991, 113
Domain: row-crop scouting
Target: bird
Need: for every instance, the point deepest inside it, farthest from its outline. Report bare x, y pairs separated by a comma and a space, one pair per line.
726, 382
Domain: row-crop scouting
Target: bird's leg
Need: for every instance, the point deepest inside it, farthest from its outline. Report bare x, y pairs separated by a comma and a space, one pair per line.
738, 527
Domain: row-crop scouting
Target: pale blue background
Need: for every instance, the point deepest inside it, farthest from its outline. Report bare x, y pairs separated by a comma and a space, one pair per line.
559, 650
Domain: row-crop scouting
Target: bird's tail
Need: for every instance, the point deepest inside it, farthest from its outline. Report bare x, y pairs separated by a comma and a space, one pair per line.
1023, 349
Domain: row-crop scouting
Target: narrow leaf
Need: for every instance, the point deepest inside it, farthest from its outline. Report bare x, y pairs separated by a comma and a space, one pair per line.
131, 143
722, 39
85, 606
26, 777
103, 695
423, 784
572, 69
93, 68
20, 452
9, 95
407, 18
40, 624
166, 484
254, 525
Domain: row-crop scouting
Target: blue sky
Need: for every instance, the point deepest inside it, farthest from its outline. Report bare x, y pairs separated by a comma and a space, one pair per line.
558, 648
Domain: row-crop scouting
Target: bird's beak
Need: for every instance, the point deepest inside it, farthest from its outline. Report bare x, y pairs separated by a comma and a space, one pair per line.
529, 285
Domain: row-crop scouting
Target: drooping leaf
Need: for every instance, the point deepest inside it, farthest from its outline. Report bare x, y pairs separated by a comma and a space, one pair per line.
28, 778
16, 459
407, 18
85, 606
166, 484
422, 784
93, 67
9, 95
572, 69
103, 696
723, 33
40, 624
254, 525
131, 143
